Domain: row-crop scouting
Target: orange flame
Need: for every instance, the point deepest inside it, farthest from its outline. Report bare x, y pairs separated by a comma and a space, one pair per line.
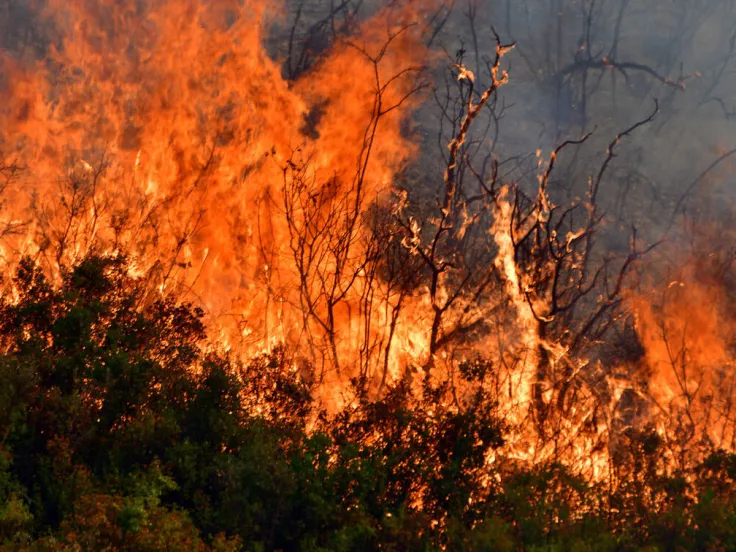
168, 132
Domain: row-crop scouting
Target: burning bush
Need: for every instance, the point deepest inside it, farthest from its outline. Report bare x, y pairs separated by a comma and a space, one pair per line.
121, 431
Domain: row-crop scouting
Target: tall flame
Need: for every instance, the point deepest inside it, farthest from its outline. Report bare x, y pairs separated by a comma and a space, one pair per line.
168, 132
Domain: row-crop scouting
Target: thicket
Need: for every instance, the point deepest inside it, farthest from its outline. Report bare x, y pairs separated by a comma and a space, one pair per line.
120, 431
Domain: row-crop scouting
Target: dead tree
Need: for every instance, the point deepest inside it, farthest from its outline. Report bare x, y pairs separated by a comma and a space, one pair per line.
332, 249
553, 268
572, 292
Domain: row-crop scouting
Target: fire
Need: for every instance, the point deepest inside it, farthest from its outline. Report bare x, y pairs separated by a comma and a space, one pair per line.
168, 132
686, 329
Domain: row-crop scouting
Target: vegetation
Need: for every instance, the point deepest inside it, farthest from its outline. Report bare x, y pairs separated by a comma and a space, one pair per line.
120, 432
476, 350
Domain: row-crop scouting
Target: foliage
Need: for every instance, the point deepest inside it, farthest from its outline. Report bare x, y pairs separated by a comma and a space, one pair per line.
120, 432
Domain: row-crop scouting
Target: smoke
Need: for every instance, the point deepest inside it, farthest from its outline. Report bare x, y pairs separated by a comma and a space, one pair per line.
561, 87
